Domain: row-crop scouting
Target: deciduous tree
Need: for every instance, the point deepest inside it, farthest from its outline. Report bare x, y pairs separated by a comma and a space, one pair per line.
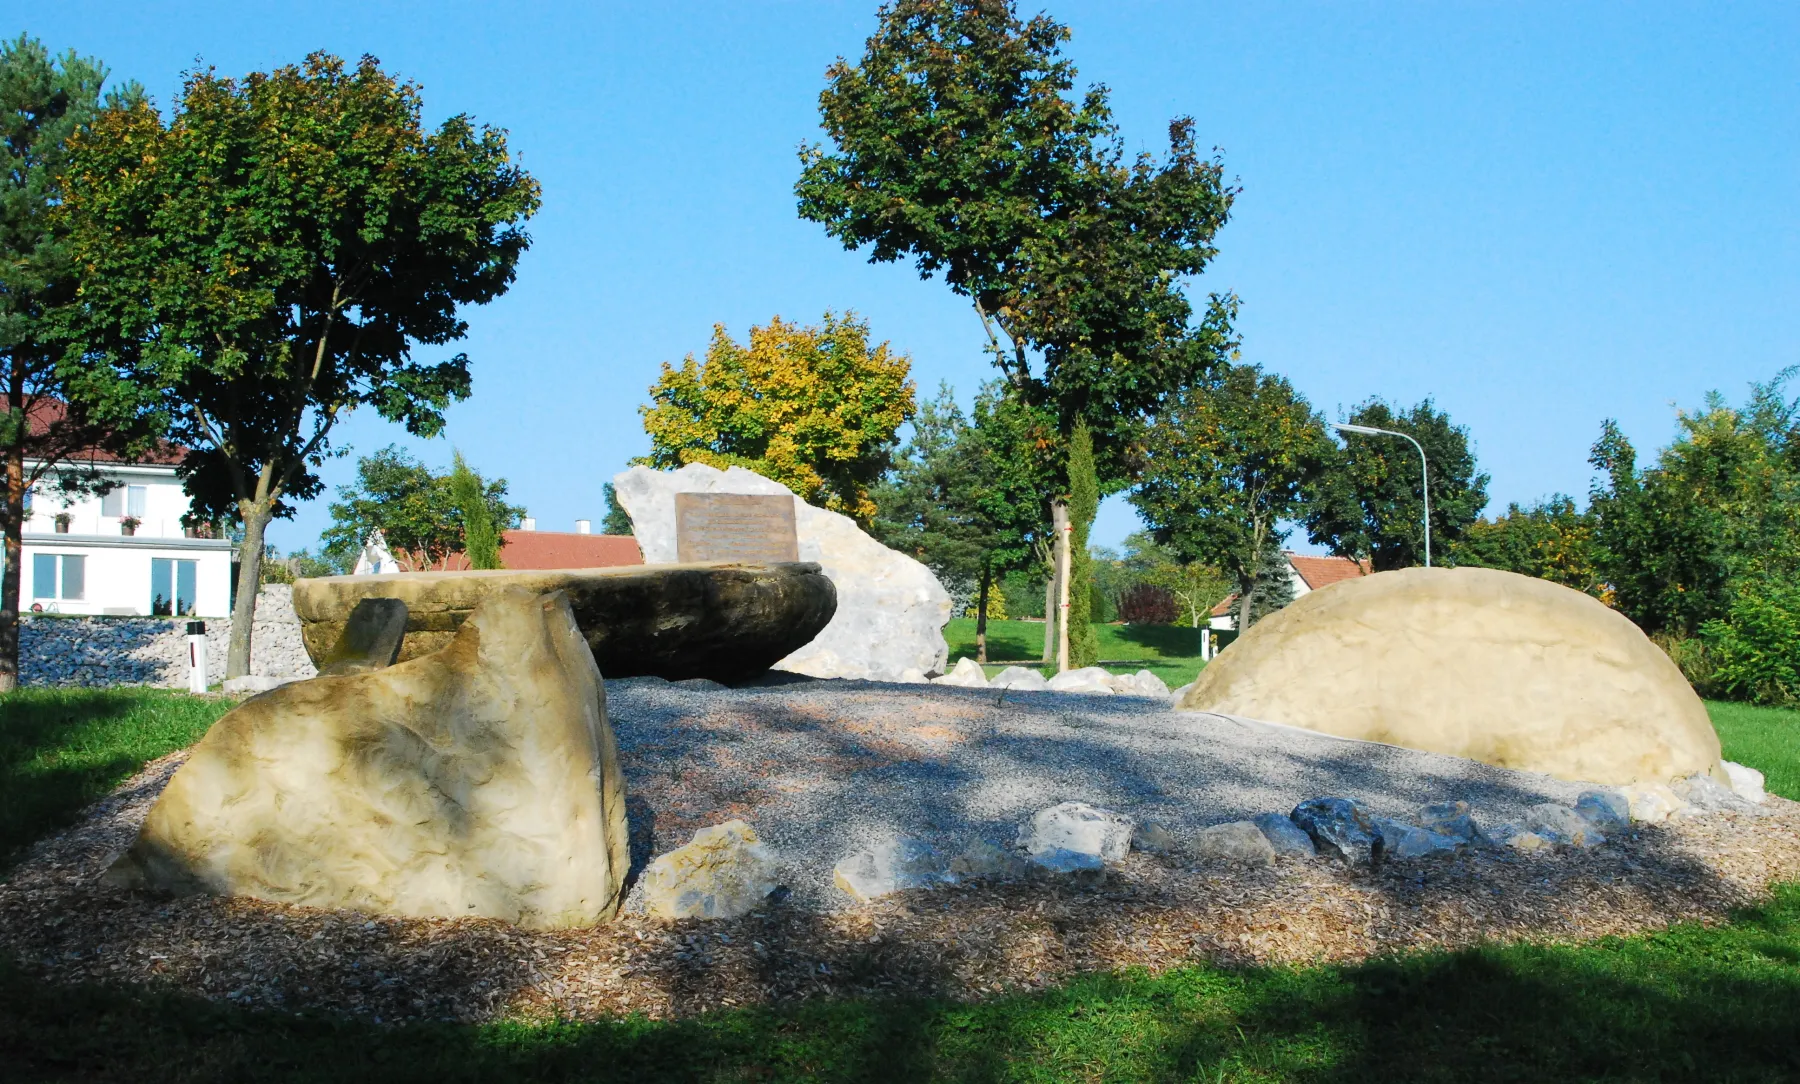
268, 260
418, 513
814, 408
1551, 539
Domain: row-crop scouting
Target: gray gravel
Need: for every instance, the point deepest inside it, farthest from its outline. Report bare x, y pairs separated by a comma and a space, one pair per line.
821, 768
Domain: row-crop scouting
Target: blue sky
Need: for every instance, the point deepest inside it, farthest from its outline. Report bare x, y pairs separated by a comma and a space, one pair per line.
1538, 214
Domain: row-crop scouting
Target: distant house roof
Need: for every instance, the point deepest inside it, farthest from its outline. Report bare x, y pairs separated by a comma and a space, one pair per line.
44, 413
555, 549
1324, 571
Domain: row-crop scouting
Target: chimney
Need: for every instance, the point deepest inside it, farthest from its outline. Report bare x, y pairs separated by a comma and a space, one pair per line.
583, 526
527, 524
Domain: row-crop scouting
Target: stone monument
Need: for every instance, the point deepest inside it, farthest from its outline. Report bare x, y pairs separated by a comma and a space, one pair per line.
1505, 669
743, 528
891, 610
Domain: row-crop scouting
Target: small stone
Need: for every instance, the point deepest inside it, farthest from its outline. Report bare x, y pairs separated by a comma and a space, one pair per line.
1747, 783
1020, 679
912, 675
1152, 838
1561, 825
1400, 840
967, 674
1704, 794
1285, 836
1511, 835
1606, 810
1089, 680
726, 871
1079, 827
1142, 683
1651, 803
1341, 829
1061, 860
890, 866
986, 861
1237, 841
1452, 819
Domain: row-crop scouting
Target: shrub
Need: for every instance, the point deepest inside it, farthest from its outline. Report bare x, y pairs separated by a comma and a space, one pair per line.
1755, 650
1147, 604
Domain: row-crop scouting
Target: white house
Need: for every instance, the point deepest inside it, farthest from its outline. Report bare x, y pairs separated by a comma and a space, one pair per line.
1306, 574
124, 551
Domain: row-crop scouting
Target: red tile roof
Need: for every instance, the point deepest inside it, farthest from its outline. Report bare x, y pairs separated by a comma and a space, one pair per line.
555, 549
44, 412
1324, 571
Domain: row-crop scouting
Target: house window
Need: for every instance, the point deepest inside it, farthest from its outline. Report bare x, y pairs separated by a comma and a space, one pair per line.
112, 503
134, 501
172, 587
122, 501
44, 576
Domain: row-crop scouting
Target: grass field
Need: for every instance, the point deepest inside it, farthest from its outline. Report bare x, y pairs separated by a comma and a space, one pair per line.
1691, 1004
1171, 652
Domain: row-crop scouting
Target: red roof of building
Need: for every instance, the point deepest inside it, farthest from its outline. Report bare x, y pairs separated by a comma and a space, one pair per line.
1324, 571
556, 549
45, 412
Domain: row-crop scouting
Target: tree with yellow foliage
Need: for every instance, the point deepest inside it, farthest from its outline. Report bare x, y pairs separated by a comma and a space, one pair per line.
813, 408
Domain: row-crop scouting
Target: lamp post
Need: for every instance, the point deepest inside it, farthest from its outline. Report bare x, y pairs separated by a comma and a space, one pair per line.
1424, 470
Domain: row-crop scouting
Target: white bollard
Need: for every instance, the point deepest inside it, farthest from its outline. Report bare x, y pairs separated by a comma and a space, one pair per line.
196, 656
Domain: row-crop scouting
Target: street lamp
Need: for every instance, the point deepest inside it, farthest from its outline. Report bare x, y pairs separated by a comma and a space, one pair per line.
1424, 470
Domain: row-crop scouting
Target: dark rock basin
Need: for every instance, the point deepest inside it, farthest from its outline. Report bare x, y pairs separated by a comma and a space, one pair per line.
720, 621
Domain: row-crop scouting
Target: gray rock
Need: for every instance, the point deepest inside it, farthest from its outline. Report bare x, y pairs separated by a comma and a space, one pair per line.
725, 872
1236, 841
1704, 794
890, 866
986, 861
1561, 825
1452, 819
1078, 827
1152, 837
1020, 678
371, 638
891, 610
967, 674
1400, 840
1746, 783
1061, 860
1285, 836
1176, 697
1606, 810
1511, 835
1340, 828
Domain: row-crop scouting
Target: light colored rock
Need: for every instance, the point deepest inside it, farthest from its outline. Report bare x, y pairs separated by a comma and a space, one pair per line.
1606, 810
481, 781
1091, 680
891, 610
1505, 669
912, 675
1703, 794
1452, 819
1021, 678
1746, 782
1400, 840
966, 674
1179, 696
724, 872
1152, 837
986, 861
1237, 841
1561, 825
1651, 803
1062, 860
1511, 835
1142, 683
1285, 836
1078, 827
1340, 828
890, 866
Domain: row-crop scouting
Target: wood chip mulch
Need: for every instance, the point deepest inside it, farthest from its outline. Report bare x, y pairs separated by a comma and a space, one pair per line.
966, 941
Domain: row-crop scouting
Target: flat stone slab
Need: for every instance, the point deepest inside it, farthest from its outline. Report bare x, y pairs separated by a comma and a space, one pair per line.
720, 621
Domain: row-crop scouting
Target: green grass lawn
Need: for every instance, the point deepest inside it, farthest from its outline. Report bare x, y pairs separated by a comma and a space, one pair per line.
62, 748
1171, 652
1690, 1004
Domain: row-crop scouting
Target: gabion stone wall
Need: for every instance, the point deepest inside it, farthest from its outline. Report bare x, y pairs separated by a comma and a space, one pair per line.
95, 651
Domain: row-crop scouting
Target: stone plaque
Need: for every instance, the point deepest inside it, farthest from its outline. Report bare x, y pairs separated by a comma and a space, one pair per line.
741, 527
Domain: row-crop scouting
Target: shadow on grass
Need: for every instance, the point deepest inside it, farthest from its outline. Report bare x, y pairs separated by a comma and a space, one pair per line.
1170, 641
1688, 1004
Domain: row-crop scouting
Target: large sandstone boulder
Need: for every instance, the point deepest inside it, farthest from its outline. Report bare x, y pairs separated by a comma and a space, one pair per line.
725, 622
891, 610
480, 781
1497, 667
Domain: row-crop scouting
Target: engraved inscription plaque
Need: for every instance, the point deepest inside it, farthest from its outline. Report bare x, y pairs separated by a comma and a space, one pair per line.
743, 527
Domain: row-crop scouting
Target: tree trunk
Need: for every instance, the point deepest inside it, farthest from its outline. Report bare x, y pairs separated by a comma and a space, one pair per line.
15, 556
256, 516
981, 605
1059, 522
1050, 615
1246, 588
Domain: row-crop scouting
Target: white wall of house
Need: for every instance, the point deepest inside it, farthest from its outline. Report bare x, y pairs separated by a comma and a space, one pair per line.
94, 567
1229, 621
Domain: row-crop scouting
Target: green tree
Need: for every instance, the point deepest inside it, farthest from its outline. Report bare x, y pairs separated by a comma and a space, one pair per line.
1084, 503
1551, 540
480, 530
1196, 586
420, 515
45, 432
1226, 464
267, 261
617, 521
958, 143
1366, 503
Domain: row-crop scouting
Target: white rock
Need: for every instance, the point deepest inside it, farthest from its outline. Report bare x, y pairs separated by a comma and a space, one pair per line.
891, 610
1747, 782
1651, 803
1091, 680
1078, 827
889, 866
726, 871
1022, 678
1175, 697
1142, 683
967, 674
912, 675
1237, 841
1704, 794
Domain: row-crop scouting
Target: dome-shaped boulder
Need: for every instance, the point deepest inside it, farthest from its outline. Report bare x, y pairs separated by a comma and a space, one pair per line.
1505, 669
